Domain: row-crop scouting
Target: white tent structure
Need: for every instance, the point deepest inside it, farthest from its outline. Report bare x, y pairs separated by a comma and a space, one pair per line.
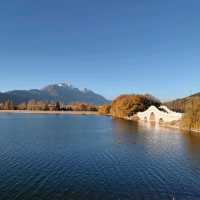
159, 115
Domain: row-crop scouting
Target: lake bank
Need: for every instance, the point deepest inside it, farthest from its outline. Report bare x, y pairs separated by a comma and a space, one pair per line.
176, 125
134, 118
51, 112
170, 125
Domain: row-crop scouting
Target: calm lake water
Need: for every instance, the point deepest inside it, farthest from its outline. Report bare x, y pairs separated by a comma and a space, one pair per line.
58, 157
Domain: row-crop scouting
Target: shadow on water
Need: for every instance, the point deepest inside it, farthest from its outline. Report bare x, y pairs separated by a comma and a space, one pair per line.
125, 131
192, 146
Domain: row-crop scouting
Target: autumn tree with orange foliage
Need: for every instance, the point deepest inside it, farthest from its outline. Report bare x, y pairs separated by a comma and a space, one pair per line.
81, 107
128, 105
104, 109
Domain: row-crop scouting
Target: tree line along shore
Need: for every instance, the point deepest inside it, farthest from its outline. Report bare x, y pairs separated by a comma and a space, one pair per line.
122, 107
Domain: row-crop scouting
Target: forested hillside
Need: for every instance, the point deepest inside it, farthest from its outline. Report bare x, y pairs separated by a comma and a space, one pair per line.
180, 105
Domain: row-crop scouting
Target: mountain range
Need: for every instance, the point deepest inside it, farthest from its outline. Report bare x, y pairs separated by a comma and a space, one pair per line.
67, 93
62, 92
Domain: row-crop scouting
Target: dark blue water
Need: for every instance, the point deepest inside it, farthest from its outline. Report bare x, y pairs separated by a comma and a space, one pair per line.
57, 157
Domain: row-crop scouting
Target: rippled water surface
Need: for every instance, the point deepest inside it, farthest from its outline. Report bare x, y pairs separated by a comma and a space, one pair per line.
58, 157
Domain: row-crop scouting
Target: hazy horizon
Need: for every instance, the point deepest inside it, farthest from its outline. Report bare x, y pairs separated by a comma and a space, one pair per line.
110, 47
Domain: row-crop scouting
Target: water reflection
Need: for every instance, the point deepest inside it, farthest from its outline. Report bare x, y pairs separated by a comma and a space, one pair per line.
166, 156
156, 138
192, 148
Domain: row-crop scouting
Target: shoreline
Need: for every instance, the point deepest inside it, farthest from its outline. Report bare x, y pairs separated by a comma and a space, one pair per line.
50, 112
179, 128
164, 125
167, 125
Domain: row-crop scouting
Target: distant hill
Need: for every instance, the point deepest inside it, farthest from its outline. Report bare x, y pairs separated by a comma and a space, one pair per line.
63, 92
181, 104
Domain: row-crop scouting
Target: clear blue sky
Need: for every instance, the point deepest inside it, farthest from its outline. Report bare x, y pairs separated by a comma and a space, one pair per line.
109, 46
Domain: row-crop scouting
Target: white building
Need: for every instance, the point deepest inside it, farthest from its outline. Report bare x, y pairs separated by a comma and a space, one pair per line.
161, 114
